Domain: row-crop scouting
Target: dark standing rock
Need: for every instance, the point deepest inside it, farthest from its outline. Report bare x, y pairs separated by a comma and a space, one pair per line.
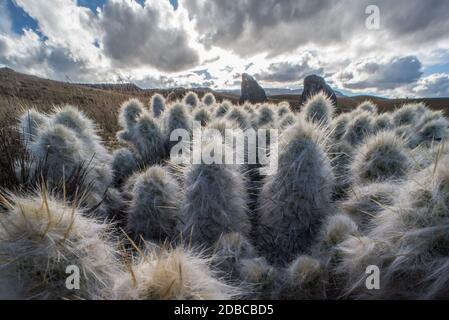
251, 90
313, 84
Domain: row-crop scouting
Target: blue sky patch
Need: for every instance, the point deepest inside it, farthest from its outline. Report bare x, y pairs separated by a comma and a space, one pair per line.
20, 19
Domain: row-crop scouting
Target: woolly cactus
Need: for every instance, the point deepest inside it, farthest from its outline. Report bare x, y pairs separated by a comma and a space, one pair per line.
222, 109
171, 274
319, 108
295, 199
40, 238
260, 277
148, 140
191, 99
359, 128
112, 207
408, 114
30, 123
266, 116
287, 121
406, 133
336, 229
365, 202
248, 107
85, 130
239, 117
341, 155
101, 178
157, 105
406, 242
68, 154
208, 99
60, 149
420, 108
222, 125
130, 111
383, 122
383, 157
124, 164
154, 212
214, 202
177, 117
431, 132
229, 250
283, 109
74, 119
129, 184
367, 106
339, 126
428, 116
357, 190
201, 115
355, 254
305, 280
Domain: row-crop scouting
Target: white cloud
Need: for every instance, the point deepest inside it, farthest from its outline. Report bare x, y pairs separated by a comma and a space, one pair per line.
278, 27
28, 53
66, 25
125, 40
23, 53
5, 19
434, 85
278, 41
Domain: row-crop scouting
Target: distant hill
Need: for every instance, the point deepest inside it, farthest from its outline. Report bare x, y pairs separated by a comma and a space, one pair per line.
28, 87
345, 103
100, 101
276, 92
128, 87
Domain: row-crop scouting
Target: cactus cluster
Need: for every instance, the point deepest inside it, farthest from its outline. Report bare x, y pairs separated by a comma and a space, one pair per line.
351, 190
171, 274
40, 237
65, 150
288, 226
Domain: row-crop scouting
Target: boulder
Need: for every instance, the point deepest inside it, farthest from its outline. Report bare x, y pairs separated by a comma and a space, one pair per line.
313, 84
251, 90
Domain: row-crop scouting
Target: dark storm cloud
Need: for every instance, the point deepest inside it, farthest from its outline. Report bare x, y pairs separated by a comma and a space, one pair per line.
139, 37
247, 27
391, 74
418, 20
287, 72
275, 27
63, 62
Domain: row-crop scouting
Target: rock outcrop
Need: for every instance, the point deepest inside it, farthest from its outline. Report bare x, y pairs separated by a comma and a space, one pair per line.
313, 84
251, 90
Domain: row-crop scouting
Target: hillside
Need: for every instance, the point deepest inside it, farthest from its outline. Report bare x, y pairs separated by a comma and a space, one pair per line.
101, 101
345, 103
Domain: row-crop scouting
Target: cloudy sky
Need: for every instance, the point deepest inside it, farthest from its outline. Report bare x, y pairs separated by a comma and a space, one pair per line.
164, 43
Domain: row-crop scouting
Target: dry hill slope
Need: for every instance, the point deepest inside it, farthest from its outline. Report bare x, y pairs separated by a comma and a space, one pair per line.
101, 102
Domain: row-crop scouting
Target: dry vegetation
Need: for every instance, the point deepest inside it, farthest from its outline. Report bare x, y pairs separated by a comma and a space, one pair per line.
20, 92
93, 185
